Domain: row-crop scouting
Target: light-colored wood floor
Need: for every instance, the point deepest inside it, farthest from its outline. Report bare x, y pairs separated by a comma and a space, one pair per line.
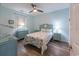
55, 48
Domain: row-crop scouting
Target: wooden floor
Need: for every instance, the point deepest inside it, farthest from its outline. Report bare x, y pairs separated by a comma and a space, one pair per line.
55, 48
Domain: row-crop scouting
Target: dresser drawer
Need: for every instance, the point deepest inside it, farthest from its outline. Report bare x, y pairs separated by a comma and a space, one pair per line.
8, 48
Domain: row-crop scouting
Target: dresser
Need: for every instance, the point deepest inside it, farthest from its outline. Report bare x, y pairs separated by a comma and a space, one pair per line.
8, 46
57, 36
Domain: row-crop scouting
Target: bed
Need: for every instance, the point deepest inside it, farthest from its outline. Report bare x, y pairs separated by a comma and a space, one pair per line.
41, 38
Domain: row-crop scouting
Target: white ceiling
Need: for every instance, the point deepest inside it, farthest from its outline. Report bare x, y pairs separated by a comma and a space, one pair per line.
26, 7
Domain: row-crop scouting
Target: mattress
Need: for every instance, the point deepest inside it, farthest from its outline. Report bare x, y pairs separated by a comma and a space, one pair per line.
41, 35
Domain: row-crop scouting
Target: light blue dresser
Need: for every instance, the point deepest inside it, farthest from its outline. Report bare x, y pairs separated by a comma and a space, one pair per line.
57, 36
8, 46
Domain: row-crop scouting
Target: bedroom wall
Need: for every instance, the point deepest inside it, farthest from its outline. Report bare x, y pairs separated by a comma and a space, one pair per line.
9, 14
32, 22
58, 18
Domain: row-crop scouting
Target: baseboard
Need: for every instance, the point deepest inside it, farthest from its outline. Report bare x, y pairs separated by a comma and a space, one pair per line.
60, 41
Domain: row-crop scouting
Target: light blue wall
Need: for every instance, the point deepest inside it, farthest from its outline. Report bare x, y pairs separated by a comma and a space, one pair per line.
33, 22
9, 14
61, 16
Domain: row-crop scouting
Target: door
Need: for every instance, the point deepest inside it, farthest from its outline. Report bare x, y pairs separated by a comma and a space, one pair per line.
74, 29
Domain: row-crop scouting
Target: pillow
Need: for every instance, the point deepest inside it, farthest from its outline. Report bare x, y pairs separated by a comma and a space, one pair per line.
46, 30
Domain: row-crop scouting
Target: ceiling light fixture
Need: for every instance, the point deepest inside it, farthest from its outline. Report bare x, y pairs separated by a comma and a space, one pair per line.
34, 10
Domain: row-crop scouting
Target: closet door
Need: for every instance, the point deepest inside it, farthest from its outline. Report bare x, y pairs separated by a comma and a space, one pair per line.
74, 29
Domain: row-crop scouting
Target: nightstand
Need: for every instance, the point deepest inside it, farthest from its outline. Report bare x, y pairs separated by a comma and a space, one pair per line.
57, 36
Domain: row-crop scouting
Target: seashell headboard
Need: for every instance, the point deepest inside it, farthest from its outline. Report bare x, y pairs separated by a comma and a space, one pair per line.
46, 26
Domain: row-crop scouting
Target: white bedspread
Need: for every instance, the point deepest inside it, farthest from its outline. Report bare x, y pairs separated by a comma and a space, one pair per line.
39, 39
41, 35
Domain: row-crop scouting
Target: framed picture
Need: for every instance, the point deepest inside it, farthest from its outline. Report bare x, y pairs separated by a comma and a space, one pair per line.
11, 21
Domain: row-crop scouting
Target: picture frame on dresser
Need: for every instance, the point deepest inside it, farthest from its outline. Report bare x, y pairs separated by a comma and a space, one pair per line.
10, 21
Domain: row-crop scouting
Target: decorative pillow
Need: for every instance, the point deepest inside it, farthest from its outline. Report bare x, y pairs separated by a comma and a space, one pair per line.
46, 30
